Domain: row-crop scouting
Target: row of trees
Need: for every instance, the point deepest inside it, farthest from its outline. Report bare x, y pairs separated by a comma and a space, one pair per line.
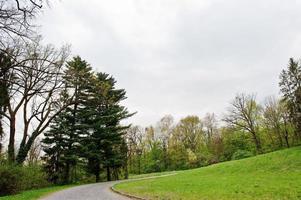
88, 132
81, 107
247, 128
17, 50
42, 93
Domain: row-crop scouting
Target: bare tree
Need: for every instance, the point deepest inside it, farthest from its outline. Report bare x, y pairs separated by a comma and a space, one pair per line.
276, 119
34, 88
244, 114
34, 153
210, 126
165, 126
135, 136
16, 18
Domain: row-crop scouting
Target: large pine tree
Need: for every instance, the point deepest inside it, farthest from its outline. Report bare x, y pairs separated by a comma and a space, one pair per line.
103, 115
57, 150
290, 85
62, 141
90, 130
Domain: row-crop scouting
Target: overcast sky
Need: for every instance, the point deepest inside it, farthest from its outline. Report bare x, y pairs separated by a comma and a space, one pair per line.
180, 57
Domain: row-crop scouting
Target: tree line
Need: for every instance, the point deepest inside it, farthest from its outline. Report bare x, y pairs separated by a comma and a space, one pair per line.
247, 128
78, 109
56, 104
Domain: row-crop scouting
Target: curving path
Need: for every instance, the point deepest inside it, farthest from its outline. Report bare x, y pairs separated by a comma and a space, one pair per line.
97, 191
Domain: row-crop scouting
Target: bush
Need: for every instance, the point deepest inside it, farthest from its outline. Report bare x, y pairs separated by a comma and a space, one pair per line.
14, 179
33, 177
240, 154
10, 180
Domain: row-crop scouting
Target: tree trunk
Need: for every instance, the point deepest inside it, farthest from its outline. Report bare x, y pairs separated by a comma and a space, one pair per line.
97, 177
97, 171
11, 144
286, 139
257, 142
67, 173
108, 174
279, 137
126, 172
139, 164
24, 149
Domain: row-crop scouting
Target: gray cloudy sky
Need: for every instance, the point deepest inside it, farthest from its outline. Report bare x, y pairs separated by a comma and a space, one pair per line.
181, 57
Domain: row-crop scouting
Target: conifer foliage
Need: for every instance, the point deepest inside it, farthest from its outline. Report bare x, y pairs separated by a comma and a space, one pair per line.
89, 131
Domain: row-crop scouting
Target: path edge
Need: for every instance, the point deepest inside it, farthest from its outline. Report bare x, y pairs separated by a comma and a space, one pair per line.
129, 180
125, 194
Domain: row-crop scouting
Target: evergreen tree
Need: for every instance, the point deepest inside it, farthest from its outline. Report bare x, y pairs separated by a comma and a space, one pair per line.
90, 129
65, 145
290, 85
103, 115
56, 148
5, 64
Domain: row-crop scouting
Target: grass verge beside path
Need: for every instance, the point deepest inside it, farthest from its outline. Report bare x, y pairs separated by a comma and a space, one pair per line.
275, 175
156, 174
35, 194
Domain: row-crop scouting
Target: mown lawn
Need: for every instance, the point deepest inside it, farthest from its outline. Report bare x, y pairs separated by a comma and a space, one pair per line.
136, 176
35, 194
274, 175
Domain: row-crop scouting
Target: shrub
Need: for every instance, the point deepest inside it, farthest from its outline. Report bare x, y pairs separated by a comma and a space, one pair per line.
240, 154
33, 177
14, 179
10, 180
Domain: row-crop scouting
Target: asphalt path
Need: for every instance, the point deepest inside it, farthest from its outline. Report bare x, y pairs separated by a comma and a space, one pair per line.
96, 191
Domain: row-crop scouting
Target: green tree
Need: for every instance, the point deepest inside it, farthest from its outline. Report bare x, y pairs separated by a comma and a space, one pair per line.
277, 122
189, 131
290, 86
135, 145
67, 126
244, 114
5, 64
102, 116
56, 147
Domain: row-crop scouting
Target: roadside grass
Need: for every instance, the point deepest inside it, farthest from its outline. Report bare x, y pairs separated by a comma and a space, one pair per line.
275, 175
138, 176
35, 194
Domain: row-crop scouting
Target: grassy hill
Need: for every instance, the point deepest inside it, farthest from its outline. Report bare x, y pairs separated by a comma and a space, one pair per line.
275, 175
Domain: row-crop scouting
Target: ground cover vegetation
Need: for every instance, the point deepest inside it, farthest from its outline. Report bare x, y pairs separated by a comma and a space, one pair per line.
273, 175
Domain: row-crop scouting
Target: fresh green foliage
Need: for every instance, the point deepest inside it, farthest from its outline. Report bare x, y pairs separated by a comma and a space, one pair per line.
251, 128
275, 175
241, 154
17, 178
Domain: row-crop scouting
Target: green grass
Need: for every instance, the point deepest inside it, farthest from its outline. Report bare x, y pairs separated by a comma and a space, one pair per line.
275, 175
35, 194
138, 176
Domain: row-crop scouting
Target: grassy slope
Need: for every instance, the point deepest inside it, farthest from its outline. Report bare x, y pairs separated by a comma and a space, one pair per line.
275, 175
35, 194
155, 174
